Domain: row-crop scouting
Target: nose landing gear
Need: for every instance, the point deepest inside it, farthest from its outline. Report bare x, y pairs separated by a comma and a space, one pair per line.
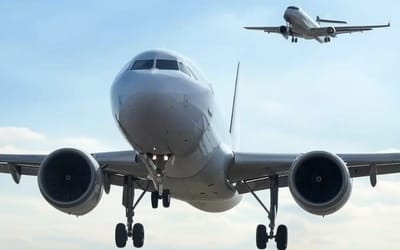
165, 197
262, 236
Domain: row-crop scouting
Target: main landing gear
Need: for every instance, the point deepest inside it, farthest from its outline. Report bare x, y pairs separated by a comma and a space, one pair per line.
262, 236
136, 231
294, 39
327, 39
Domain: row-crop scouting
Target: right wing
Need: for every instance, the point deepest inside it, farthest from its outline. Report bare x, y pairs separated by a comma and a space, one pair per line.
257, 169
326, 31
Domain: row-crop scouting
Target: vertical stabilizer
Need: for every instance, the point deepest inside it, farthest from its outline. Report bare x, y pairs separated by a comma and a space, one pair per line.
234, 126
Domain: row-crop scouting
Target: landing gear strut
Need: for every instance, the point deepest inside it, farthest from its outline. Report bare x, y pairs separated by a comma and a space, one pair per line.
262, 236
136, 231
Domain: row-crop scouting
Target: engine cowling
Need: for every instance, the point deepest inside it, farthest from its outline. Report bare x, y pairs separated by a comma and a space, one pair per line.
71, 181
284, 30
331, 31
320, 182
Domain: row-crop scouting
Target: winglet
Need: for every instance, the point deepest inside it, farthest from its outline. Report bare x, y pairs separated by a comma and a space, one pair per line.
233, 128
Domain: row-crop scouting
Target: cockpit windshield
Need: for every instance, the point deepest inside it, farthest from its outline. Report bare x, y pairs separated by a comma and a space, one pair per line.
143, 64
293, 8
167, 64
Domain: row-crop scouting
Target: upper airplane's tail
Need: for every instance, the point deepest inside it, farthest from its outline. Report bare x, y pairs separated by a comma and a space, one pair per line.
320, 20
234, 126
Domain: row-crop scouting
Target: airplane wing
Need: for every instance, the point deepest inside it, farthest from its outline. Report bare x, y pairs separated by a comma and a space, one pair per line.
326, 31
271, 29
256, 169
115, 164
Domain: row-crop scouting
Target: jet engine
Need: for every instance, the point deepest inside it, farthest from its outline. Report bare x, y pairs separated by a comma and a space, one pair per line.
71, 181
331, 31
284, 30
320, 182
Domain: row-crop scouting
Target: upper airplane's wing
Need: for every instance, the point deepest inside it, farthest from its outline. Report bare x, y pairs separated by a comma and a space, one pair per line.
327, 31
272, 29
115, 164
256, 169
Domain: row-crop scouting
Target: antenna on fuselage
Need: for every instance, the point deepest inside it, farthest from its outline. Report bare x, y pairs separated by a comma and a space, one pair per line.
234, 126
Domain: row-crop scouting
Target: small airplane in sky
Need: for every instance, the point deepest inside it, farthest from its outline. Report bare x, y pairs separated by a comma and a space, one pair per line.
301, 25
182, 148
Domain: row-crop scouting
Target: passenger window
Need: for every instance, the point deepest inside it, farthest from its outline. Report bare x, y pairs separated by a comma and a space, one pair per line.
142, 64
183, 68
167, 64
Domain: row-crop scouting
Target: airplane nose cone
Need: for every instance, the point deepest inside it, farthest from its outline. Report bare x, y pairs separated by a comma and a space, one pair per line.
157, 114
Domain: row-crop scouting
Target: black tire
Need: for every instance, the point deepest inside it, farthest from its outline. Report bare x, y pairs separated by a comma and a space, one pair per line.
166, 198
261, 237
281, 237
121, 235
154, 199
138, 235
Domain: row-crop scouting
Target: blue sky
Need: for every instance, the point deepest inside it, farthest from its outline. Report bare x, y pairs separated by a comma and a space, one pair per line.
58, 62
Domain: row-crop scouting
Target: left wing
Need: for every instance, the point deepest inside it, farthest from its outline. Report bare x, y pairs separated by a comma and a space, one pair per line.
271, 29
115, 164
326, 31
256, 169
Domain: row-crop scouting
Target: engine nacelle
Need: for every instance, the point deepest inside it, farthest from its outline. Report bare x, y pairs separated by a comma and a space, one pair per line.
331, 31
320, 182
71, 181
284, 30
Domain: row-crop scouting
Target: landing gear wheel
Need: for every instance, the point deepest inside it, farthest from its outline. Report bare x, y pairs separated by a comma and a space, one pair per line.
166, 198
121, 235
154, 199
138, 235
281, 237
261, 237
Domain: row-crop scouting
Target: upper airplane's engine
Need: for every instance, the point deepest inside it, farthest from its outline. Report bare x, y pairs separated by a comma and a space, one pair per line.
320, 182
71, 181
331, 31
284, 30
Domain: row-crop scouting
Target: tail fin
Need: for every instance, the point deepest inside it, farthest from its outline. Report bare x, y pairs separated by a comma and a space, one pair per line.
320, 20
234, 126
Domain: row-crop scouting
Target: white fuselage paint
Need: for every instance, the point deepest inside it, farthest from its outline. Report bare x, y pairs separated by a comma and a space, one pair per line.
168, 112
300, 23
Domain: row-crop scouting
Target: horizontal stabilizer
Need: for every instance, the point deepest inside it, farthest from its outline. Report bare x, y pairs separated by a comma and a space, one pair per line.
320, 20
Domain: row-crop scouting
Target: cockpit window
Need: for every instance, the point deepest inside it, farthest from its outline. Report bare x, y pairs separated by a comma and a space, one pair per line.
183, 68
167, 64
293, 8
142, 64
193, 74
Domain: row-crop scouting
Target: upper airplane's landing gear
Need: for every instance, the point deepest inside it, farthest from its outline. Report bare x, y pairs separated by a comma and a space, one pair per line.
262, 236
136, 231
327, 39
294, 39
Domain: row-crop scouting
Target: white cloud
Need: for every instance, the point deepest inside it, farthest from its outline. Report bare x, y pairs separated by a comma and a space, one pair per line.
18, 134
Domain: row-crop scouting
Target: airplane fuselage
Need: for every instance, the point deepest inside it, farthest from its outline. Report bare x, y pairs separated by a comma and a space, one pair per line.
300, 23
167, 112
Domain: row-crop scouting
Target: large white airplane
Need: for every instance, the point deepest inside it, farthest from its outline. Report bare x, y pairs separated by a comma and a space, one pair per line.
299, 24
166, 110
